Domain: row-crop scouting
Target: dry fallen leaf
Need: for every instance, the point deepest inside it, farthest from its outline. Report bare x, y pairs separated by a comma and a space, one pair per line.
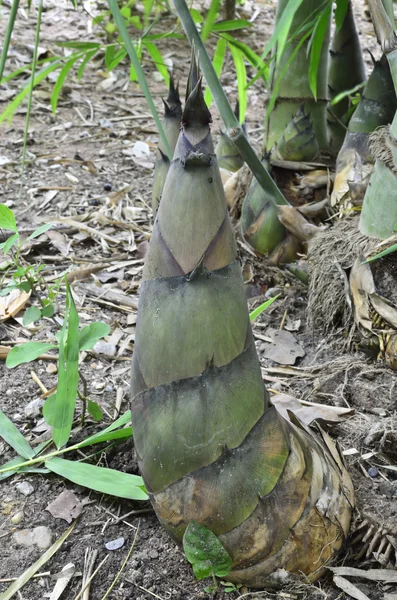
66, 506
284, 349
13, 303
310, 411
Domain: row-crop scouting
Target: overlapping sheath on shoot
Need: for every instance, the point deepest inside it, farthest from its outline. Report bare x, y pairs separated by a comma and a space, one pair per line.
171, 124
209, 445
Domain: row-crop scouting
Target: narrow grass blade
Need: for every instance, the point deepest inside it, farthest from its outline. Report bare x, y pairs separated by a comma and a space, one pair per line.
241, 80
100, 479
158, 60
7, 39
101, 437
210, 19
318, 37
14, 437
255, 313
32, 570
68, 373
383, 253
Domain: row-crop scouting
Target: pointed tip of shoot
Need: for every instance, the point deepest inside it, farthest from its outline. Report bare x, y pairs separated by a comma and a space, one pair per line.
173, 98
196, 111
194, 74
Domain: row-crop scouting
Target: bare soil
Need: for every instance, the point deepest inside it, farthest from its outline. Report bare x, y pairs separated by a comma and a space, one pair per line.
80, 166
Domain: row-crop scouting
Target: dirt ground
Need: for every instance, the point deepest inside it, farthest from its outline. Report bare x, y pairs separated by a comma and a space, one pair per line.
82, 167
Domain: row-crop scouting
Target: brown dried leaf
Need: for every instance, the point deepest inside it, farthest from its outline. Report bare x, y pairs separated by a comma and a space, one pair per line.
12, 304
361, 286
66, 506
284, 349
296, 223
349, 588
308, 412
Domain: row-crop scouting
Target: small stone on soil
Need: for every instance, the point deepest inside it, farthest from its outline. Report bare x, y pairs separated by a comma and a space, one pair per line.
52, 369
17, 518
373, 472
105, 348
25, 488
34, 407
115, 544
42, 537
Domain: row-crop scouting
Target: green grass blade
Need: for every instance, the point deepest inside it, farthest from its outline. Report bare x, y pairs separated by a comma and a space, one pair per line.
231, 25
98, 438
14, 437
61, 80
68, 373
340, 12
90, 54
218, 60
241, 73
32, 570
100, 479
259, 310
383, 253
210, 19
7, 38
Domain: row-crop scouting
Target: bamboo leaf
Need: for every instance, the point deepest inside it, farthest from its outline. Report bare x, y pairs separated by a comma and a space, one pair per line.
42, 74
104, 436
205, 552
158, 60
30, 571
231, 25
241, 80
100, 479
96, 438
27, 352
109, 55
118, 57
42, 229
317, 42
259, 310
79, 45
282, 29
208, 25
249, 54
91, 334
14, 437
7, 219
68, 373
84, 63
61, 80
217, 61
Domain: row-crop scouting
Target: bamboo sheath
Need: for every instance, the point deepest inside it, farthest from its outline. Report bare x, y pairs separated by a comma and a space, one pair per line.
209, 444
